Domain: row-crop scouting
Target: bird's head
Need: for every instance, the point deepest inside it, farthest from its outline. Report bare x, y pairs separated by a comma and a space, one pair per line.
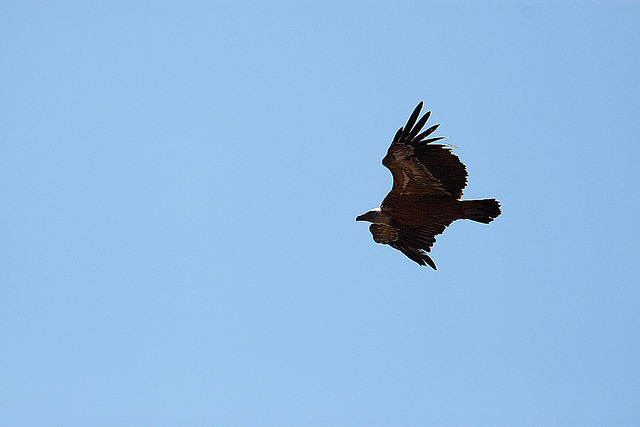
374, 215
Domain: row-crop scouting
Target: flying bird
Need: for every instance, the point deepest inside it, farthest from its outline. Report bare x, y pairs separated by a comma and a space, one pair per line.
428, 180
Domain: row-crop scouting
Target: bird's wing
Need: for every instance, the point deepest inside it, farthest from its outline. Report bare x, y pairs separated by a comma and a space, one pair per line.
420, 167
414, 242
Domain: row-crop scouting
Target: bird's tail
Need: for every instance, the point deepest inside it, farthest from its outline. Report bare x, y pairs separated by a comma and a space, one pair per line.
485, 210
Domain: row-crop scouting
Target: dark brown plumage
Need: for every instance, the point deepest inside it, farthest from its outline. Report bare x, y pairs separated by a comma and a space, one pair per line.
428, 180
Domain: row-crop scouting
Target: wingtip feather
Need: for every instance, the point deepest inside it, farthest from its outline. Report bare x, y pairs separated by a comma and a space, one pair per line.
429, 261
412, 121
398, 135
427, 132
438, 138
418, 127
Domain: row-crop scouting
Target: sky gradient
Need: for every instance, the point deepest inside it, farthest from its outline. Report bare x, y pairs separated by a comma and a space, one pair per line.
180, 183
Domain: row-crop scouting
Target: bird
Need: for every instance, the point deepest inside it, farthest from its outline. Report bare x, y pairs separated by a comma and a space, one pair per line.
428, 180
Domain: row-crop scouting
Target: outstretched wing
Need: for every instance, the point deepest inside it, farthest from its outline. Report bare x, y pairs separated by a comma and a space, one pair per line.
420, 167
414, 242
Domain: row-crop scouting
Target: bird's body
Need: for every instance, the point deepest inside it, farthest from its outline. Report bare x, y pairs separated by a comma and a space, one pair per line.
428, 180
421, 210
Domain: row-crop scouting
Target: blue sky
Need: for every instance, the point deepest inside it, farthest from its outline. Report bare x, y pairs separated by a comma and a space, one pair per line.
180, 182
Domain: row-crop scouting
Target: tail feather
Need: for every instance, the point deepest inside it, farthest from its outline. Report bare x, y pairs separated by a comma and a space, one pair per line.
485, 210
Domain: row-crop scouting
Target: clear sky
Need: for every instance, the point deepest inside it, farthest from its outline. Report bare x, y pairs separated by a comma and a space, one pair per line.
179, 187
